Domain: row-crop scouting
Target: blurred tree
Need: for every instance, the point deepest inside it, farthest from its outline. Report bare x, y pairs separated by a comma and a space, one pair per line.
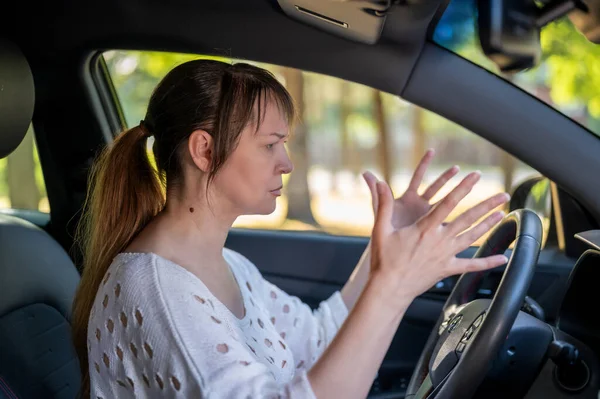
573, 63
384, 143
508, 163
21, 178
135, 74
297, 187
419, 135
3, 179
346, 142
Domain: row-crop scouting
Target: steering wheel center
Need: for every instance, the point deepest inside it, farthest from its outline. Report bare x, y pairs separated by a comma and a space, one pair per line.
455, 336
469, 333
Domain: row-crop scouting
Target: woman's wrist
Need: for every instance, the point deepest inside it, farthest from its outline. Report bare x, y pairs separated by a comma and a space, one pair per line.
385, 293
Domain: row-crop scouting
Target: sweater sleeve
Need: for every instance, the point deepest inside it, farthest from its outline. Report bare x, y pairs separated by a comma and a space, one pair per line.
307, 332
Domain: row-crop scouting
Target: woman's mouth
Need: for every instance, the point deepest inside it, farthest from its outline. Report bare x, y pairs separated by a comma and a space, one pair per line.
277, 191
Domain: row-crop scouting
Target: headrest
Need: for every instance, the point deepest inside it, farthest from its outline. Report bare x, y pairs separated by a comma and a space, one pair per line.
17, 97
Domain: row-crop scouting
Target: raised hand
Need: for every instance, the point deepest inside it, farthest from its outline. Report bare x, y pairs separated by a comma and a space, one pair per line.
411, 205
410, 259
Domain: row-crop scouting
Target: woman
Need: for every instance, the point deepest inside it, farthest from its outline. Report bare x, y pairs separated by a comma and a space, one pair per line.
164, 309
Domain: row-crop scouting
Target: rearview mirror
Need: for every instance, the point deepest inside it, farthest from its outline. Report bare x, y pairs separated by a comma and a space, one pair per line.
509, 30
507, 35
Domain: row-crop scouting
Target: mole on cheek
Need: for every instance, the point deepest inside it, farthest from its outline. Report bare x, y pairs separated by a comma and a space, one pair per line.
192, 210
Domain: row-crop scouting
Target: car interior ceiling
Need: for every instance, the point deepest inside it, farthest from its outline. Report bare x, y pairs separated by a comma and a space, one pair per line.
73, 120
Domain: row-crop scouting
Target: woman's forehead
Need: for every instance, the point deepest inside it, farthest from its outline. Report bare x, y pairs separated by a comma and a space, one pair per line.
272, 120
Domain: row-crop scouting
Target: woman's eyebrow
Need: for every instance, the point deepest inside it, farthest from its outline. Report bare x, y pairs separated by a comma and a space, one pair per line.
280, 135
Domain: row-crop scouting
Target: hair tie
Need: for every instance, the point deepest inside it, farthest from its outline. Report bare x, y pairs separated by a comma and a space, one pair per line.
145, 129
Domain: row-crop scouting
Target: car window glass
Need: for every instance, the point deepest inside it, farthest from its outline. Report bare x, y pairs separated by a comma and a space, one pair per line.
348, 128
567, 77
21, 179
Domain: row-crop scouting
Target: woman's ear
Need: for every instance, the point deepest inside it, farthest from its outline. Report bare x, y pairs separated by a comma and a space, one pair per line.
200, 146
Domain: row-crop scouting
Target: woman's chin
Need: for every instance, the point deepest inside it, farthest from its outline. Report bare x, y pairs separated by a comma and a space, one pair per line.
262, 209
268, 210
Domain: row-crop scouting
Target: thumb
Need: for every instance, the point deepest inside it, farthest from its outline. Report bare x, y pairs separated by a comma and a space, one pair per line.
383, 216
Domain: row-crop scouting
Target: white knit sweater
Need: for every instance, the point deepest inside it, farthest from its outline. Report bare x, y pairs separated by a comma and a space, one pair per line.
155, 330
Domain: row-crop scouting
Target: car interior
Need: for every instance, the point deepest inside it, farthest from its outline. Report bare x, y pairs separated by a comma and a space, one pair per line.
519, 331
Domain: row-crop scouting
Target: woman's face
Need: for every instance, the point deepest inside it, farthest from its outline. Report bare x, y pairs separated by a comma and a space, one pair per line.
251, 178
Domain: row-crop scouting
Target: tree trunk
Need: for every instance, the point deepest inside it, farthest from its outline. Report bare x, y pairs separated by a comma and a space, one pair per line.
508, 164
347, 146
297, 187
20, 175
384, 142
419, 136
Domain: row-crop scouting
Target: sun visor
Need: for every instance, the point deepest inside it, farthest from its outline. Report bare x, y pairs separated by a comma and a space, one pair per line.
360, 21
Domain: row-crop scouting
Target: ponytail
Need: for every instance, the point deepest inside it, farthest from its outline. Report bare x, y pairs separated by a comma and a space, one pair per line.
125, 192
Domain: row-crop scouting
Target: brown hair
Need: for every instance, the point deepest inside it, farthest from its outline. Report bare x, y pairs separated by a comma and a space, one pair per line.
126, 191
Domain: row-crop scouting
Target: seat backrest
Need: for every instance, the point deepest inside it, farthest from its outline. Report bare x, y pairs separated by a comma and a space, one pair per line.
37, 278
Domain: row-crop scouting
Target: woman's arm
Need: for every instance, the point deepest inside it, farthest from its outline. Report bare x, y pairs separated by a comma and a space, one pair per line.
350, 363
356, 283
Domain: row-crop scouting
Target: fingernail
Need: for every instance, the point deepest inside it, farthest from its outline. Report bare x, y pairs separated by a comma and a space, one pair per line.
502, 197
456, 168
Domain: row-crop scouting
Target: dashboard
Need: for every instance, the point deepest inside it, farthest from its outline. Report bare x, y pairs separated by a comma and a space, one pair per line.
578, 314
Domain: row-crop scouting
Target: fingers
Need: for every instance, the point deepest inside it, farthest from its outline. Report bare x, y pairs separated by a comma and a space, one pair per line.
383, 217
417, 177
443, 208
466, 239
460, 266
371, 181
433, 189
469, 217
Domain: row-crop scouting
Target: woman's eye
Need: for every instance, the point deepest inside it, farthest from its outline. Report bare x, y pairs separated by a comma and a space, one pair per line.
270, 146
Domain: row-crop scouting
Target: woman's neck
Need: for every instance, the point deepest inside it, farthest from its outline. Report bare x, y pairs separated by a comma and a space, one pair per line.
187, 231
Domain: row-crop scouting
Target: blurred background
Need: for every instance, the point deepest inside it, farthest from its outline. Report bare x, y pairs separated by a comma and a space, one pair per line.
347, 128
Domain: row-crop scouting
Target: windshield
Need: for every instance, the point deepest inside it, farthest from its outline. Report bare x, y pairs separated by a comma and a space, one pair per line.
567, 78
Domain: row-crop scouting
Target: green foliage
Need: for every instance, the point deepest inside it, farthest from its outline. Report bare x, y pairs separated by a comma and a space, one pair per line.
569, 70
3, 178
39, 175
573, 66
540, 190
136, 73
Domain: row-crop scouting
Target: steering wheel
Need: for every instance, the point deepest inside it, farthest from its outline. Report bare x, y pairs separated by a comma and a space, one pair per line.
469, 333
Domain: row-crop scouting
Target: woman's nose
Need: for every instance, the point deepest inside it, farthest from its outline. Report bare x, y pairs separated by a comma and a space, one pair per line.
286, 166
